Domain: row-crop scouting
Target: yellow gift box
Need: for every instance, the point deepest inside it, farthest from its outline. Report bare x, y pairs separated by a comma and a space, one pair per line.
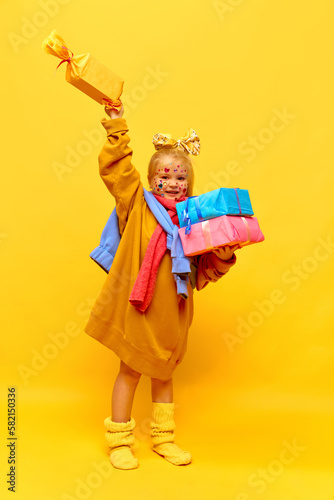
87, 73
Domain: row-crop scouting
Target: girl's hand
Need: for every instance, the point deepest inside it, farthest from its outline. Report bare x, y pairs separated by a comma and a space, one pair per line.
113, 113
226, 252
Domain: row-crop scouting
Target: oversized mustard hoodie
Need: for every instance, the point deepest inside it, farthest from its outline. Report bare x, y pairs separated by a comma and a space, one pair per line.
152, 343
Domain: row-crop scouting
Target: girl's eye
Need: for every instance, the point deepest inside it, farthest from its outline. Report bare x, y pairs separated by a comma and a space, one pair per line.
181, 178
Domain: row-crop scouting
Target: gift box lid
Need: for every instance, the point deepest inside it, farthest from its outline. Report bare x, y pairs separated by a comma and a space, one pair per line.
222, 201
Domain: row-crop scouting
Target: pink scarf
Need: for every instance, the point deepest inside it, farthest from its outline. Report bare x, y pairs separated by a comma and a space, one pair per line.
143, 289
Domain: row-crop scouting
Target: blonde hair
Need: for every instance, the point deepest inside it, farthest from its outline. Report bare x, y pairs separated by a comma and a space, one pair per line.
163, 153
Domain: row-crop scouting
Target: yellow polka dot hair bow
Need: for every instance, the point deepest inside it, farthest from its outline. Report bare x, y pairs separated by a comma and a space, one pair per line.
190, 143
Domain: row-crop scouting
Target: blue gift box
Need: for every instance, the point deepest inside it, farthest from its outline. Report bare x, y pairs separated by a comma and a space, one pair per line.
223, 201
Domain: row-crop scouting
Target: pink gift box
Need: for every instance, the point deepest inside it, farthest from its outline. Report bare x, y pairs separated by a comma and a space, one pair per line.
221, 231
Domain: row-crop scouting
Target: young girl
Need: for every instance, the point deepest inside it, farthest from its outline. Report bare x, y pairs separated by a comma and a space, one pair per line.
138, 313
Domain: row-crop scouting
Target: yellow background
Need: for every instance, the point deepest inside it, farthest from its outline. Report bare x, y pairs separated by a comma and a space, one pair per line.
243, 395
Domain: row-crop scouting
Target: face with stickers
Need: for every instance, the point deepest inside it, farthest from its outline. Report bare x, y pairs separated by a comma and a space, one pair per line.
171, 179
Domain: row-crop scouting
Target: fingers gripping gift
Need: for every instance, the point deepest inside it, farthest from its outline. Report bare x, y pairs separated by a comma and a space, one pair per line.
87, 73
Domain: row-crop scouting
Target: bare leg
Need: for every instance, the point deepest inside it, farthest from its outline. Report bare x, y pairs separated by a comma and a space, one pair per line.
162, 390
123, 393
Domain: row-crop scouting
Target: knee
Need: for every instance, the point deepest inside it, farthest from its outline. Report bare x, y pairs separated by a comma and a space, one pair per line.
158, 382
130, 374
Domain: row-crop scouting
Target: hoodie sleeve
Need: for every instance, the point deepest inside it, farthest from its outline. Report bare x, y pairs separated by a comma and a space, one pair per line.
117, 172
210, 268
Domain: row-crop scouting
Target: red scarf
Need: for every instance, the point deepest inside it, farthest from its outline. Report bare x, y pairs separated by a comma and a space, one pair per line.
143, 289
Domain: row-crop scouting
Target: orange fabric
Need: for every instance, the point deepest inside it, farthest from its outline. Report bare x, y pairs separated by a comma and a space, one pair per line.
152, 343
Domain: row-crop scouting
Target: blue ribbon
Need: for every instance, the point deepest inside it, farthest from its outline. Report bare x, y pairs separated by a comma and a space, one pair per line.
185, 214
186, 218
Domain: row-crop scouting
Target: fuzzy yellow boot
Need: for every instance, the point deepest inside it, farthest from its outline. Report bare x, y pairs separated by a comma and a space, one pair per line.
120, 439
162, 432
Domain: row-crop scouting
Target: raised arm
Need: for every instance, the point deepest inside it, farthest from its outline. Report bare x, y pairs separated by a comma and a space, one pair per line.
117, 172
212, 266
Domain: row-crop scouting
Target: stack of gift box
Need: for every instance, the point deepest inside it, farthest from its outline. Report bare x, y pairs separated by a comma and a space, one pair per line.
215, 219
